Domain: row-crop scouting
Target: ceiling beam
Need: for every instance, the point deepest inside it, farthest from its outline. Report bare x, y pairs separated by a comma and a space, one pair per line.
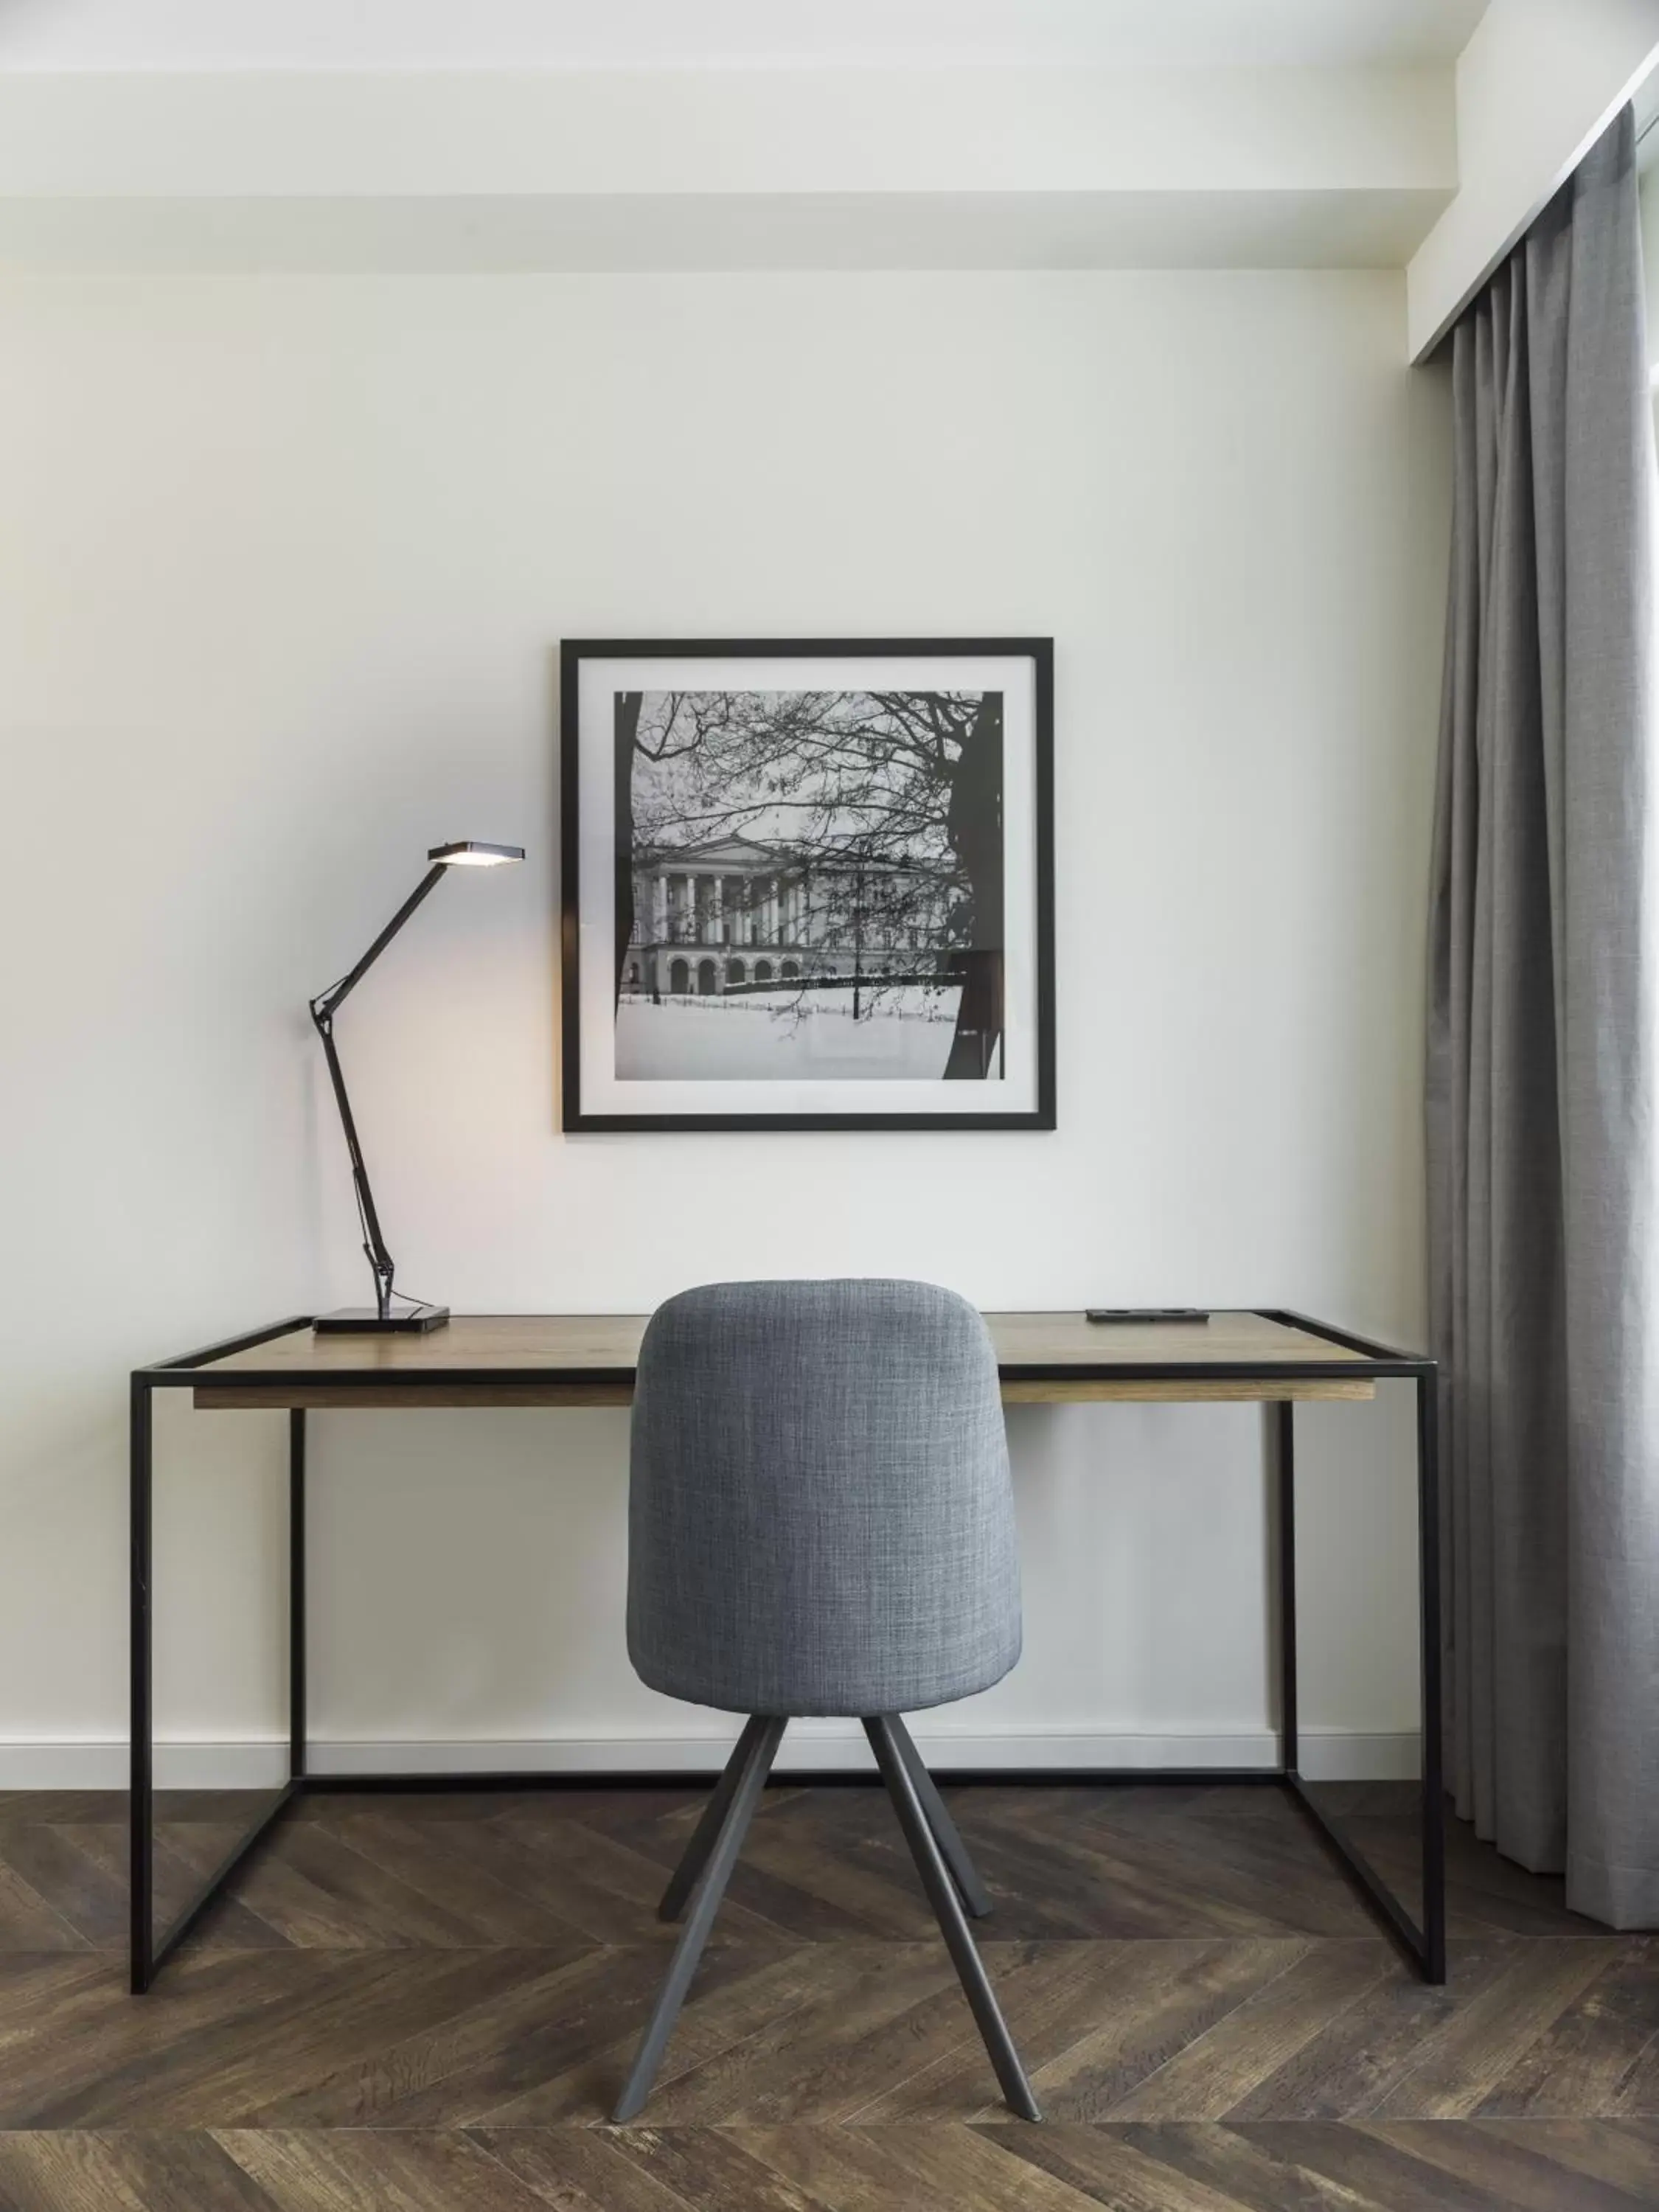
1536, 86
725, 168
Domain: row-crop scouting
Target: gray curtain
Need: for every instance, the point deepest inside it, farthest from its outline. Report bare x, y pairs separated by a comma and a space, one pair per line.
1543, 1047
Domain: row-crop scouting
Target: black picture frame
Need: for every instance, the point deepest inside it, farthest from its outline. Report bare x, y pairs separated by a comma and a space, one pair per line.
576, 1118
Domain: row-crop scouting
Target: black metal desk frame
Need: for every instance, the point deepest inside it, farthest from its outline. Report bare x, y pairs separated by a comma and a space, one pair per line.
1426, 1944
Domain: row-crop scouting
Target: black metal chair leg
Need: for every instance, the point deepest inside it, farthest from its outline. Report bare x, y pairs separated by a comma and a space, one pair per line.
952, 1850
705, 1903
947, 1910
696, 1859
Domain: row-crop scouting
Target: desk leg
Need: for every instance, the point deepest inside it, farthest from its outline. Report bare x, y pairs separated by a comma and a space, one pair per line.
296, 1595
147, 1955
1426, 1944
1284, 1513
140, 1804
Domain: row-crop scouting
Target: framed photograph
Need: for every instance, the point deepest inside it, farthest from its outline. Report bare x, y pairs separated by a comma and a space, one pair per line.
808, 885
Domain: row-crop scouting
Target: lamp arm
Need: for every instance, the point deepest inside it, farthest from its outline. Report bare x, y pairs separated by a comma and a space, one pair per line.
373, 1242
322, 1010
337, 992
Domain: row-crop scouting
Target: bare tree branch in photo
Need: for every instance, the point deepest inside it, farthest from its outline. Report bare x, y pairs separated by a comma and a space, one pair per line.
974, 825
627, 732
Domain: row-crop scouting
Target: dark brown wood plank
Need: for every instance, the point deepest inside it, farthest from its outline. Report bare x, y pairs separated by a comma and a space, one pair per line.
372, 2080
63, 2174
28, 1922
1471, 2052
844, 2169
237, 2032
602, 2007
1168, 2169
832, 2053
710, 2166
580, 2170
89, 1897
433, 2171
1624, 2153
1519, 2170
609, 1893
1219, 2069
1377, 2040
1171, 1878
988, 2168
1591, 2057
1379, 2172
727, 2008
1051, 1994
1150, 2006
473, 1884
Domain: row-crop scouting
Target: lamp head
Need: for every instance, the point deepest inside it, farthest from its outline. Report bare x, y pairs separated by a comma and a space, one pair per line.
468, 853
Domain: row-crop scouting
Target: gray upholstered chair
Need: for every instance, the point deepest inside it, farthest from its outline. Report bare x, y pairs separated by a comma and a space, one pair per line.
820, 1522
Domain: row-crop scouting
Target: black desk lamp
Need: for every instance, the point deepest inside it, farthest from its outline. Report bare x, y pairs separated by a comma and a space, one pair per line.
379, 1317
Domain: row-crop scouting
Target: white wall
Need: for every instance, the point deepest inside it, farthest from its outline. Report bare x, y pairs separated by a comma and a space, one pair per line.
284, 565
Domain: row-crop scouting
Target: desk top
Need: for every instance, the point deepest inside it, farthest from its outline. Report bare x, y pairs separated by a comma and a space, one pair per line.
505, 1359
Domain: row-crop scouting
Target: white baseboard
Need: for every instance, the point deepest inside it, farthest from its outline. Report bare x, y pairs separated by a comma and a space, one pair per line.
1328, 1756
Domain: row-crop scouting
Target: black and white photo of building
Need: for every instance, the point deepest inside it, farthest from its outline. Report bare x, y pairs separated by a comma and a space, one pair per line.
808, 883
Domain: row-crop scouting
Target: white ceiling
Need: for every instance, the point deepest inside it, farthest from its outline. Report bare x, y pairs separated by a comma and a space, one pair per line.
538, 34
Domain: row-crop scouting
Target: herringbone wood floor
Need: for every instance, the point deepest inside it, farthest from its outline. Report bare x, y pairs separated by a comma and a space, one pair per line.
424, 2004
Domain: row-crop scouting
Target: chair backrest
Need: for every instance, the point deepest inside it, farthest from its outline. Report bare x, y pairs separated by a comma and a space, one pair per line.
820, 1518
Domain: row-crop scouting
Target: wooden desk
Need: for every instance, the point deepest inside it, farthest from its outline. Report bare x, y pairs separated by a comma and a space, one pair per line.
1267, 1356
587, 1359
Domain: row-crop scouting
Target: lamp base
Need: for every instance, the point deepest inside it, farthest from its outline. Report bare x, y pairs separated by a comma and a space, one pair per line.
364, 1321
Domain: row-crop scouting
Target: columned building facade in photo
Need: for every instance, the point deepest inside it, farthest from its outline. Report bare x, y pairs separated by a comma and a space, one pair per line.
741, 917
